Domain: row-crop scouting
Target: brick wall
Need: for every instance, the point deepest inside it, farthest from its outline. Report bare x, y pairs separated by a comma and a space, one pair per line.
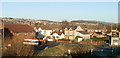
22, 35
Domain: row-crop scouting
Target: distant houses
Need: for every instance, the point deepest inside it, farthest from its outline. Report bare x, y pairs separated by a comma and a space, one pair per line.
58, 30
96, 28
98, 35
67, 33
71, 32
77, 32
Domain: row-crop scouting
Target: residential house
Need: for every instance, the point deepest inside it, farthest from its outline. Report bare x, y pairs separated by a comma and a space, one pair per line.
98, 34
19, 31
57, 35
83, 34
70, 32
96, 28
73, 31
115, 40
44, 30
114, 30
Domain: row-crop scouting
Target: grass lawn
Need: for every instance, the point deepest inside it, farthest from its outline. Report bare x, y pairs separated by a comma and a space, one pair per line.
61, 50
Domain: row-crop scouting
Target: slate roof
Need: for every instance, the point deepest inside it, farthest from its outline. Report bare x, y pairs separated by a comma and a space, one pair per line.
73, 27
98, 32
82, 32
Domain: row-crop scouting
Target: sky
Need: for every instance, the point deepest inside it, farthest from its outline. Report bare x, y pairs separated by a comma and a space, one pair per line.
59, 11
59, 0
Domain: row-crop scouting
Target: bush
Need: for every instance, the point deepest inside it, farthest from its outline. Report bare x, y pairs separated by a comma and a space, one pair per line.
64, 39
17, 48
61, 50
115, 35
101, 39
78, 37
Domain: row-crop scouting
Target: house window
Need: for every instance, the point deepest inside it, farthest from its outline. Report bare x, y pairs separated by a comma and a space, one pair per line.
66, 32
115, 41
71, 33
70, 37
57, 37
26, 34
44, 31
53, 36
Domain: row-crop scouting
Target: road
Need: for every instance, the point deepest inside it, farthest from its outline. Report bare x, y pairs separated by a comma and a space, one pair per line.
105, 50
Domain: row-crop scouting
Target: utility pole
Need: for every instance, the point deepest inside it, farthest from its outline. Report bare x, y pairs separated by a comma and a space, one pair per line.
119, 35
2, 40
111, 35
2, 32
111, 29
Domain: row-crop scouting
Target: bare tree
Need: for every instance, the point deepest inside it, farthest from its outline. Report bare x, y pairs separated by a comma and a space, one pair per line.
64, 24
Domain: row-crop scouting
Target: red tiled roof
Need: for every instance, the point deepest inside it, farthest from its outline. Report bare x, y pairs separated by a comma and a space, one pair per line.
82, 32
19, 28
